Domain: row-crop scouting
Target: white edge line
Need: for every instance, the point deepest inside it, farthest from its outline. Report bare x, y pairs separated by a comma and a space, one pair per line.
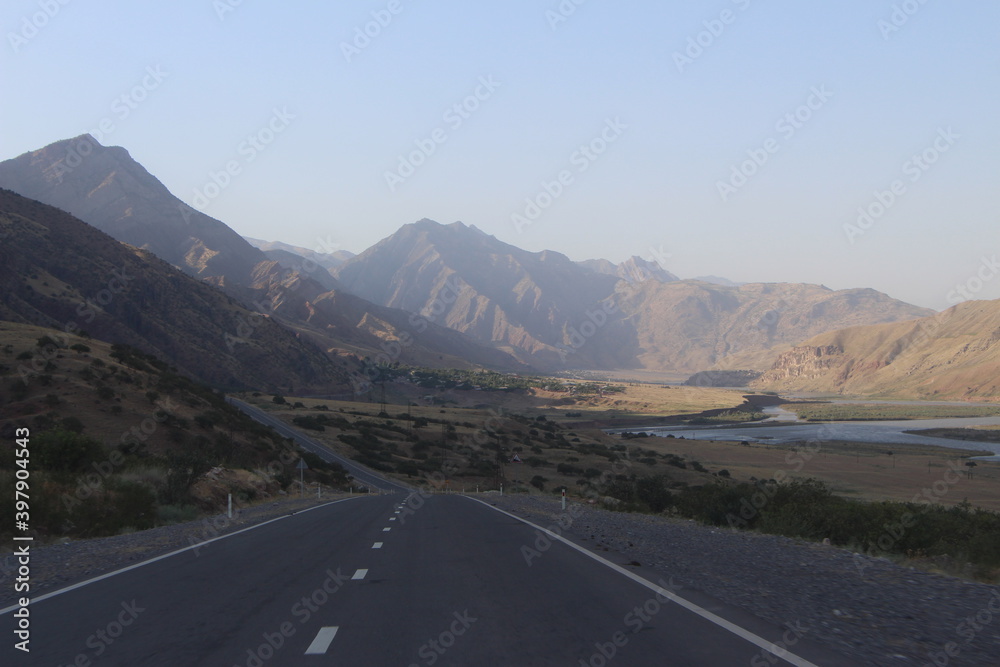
779, 652
81, 584
323, 640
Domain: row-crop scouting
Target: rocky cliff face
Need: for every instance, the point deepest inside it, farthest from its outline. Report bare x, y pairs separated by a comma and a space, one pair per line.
951, 355
805, 362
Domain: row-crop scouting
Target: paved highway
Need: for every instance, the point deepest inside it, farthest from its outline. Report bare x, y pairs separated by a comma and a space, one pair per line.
360, 473
390, 580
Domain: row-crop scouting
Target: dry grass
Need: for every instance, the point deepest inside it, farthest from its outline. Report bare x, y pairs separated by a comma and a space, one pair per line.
857, 470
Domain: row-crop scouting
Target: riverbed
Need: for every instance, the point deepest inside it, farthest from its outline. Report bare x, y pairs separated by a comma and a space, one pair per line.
782, 426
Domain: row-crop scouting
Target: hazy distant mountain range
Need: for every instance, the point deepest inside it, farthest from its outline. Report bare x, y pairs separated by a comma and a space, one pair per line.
450, 295
106, 188
551, 312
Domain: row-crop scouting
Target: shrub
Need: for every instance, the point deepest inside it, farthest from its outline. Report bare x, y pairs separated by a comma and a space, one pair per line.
65, 451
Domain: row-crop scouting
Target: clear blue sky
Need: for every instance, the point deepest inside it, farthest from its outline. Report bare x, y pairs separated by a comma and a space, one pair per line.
656, 187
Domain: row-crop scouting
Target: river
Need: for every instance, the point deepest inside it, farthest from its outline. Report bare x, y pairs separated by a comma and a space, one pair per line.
788, 429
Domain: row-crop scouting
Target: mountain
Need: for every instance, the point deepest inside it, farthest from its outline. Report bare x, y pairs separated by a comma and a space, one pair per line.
538, 306
694, 325
557, 314
106, 188
951, 355
327, 260
59, 272
718, 280
404, 298
315, 264
633, 270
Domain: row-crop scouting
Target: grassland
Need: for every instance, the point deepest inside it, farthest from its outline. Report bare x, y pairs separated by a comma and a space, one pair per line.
857, 470
423, 442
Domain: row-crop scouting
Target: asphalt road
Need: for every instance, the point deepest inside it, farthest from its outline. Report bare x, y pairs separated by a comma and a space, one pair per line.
360, 473
388, 580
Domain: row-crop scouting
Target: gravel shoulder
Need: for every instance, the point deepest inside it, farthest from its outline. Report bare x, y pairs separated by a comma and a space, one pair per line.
868, 609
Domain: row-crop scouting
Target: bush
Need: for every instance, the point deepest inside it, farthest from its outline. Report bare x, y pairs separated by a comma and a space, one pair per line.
66, 451
168, 514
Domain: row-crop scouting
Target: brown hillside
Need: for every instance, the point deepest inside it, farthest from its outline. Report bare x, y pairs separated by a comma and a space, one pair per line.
954, 354
61, 273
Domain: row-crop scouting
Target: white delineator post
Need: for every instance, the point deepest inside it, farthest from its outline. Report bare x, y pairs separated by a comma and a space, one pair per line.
230, 503
564, 499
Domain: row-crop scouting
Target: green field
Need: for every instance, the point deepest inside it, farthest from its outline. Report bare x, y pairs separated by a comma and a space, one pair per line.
819, 412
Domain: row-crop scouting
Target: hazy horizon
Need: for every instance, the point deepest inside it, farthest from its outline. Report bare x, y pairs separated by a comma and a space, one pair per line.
451, 112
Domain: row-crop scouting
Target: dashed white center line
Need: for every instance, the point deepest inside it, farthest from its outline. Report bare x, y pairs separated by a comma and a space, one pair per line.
386, 530
392, 518
323, 640
360, 574
377, 545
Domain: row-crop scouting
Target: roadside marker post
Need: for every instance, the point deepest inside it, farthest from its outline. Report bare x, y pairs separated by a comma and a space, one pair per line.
302, 483
564, 499
229, 511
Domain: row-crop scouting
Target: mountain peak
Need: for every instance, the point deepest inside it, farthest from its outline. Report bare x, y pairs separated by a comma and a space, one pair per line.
107, 188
